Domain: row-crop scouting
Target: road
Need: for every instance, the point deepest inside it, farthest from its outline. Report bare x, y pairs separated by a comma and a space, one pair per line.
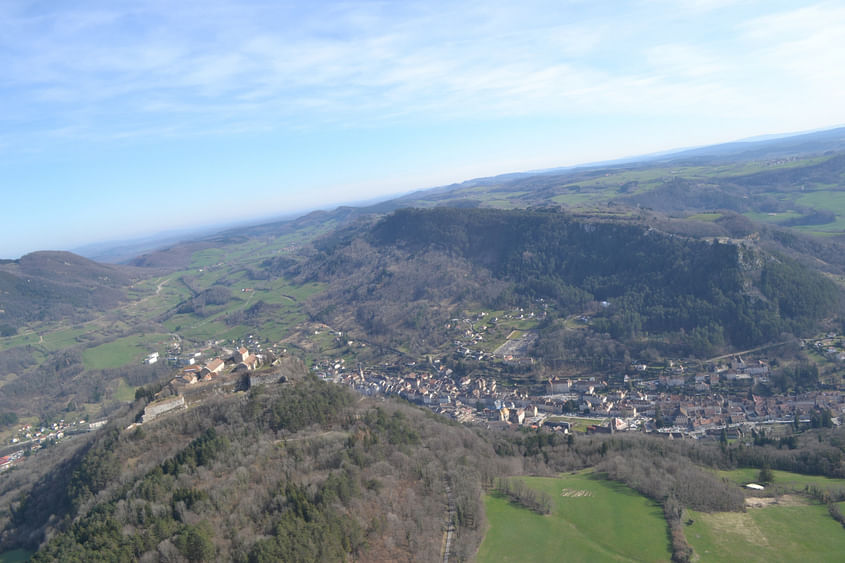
450, 524
757, 349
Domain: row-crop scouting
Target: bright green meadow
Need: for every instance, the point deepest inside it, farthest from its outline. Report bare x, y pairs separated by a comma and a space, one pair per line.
592, 520
774, 533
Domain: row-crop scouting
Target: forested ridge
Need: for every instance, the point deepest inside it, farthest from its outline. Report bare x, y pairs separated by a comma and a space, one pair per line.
47, 285
717, 294
302, 471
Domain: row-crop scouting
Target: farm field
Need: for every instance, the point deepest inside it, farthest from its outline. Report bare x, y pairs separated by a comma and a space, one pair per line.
592, 520
122, 351
784, 480
578, 424
802, 532
124, 392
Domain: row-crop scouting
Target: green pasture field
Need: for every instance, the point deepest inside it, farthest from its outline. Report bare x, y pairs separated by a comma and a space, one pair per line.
282, 292
122, 351
597, 520
829, 200
821, 198
769, 218
236, 332
575, 199
23, 338
124, 392
515, 334
524, 325
275, 331
208, 257
279, 292
51, 337
578, 424
501, 203
827, 230
784, 480
207, 329
773, 533
705, 216
317, 346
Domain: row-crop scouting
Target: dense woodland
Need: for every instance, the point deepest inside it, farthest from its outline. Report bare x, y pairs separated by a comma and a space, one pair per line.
400, 279
60, 383
309, 471
302, 471
47, 286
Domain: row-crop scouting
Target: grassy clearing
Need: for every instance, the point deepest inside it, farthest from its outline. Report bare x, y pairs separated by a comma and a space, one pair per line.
201, 331
774, 533
282, 321
237, 332
829, 200
826, 230
207, 257
705, 217
784, 480
523, 325
597, 520
24, 338
824, 199
300, 292
500, 203
124, 392
122, 351
772, 217
64, 338
282, 325
578, 424
575, 199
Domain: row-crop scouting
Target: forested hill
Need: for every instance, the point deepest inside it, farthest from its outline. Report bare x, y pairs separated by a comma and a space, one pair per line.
719, 293
302, 471
51, 285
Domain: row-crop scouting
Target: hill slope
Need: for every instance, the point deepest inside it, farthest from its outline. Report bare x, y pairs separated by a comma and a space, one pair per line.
302, 471
46, 286
414, 269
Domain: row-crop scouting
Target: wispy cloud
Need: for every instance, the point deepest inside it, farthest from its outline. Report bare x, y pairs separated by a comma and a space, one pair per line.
298, 101
203, 66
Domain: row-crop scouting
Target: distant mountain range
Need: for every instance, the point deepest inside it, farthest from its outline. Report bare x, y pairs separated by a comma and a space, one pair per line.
620, 272
793, 182
797, 145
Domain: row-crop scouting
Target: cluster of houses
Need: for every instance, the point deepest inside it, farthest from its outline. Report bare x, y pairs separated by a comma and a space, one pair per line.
831, 347
240, 360
56, 431
194, 375
673, 401
670, 398
469, 333
31, 438
8, 461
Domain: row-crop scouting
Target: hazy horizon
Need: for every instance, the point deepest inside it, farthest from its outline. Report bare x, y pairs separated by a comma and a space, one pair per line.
176, 233
122, 121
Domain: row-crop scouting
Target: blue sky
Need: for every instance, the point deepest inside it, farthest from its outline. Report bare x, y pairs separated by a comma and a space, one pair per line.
118, 119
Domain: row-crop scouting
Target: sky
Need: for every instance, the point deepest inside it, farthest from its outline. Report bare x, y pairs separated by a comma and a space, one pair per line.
123, 118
